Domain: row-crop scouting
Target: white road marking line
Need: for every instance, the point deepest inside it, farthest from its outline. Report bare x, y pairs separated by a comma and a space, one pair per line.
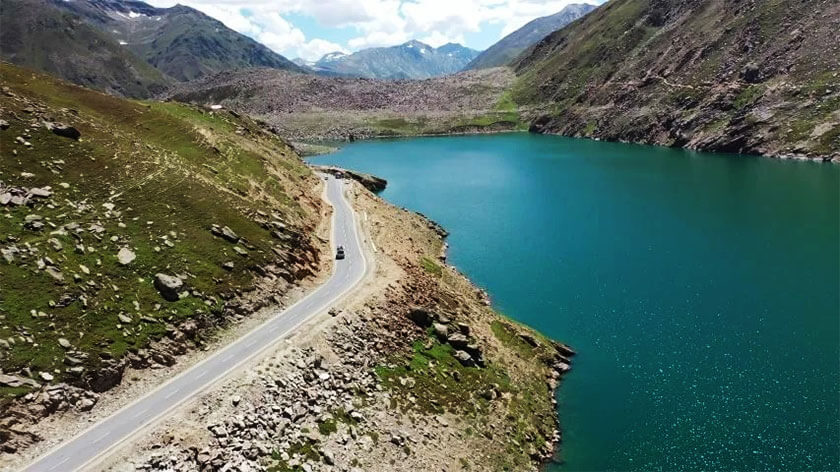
227, 358
173, 392
60, 463
140, 413
107, 433
250, 343
202, 374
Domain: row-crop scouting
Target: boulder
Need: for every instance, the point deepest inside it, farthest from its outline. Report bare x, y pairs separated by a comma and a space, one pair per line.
464, 358
441, 330
228, 234
168, 286
421, 317
106, 377
751, 73
126, 256
63, 130
529, 339
40, 192
564, 349
457, 340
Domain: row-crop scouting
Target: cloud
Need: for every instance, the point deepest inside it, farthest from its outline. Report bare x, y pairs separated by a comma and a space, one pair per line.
373, 22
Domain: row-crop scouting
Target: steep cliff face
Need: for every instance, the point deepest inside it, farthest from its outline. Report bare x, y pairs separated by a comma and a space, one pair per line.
749, 76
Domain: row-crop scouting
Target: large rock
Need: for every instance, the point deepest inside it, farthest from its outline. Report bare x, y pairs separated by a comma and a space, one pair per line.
464, 358
421, 316
106, 377
168, 286
458, 340
126, 256
66, 131
441, 331
225, 232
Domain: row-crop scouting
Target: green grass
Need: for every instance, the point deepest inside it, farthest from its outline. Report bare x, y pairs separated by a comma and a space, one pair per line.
431, 266
442, 384
305, 448
748, 96
150, 161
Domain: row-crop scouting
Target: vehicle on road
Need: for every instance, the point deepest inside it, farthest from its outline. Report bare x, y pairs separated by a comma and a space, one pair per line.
339, 254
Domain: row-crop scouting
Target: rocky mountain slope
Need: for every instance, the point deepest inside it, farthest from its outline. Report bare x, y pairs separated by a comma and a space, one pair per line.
179, 41
129, 232
312, 107
412, 60
749, 76
35, 34
508, 48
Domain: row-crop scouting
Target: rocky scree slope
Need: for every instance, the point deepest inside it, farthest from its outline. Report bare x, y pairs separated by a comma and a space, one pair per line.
747, 76
311, 107
180, 41
508, 48
411, 60
128, 232
35, 34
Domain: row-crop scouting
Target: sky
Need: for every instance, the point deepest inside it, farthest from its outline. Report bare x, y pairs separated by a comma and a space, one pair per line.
312, 28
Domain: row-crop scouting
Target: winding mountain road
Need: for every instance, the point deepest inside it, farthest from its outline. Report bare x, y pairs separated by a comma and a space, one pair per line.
94, 444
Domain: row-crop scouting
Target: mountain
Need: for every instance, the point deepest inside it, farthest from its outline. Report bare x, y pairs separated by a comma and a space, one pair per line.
179, 41
512, 45
37, 35
303, 63
742, 76
412, 60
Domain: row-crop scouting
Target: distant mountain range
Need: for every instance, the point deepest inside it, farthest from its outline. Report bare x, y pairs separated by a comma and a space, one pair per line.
125, 47
412, 60
514, 44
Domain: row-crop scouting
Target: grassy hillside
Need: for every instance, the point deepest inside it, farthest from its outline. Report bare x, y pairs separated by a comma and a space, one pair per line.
755, 77
35, 34
87, 223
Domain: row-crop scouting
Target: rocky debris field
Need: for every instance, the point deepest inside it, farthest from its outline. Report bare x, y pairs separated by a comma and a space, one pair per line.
129, 232
415, 372
316, 107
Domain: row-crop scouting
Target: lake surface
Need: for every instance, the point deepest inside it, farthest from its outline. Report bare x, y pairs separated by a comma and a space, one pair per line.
700, 290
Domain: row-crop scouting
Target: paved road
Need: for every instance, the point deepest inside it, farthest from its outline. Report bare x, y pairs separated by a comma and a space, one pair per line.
92, 444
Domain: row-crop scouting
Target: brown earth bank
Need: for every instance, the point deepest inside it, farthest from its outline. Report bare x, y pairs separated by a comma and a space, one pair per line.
749, 76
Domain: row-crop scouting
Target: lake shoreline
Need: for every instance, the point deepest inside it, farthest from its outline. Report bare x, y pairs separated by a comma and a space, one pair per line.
330, 146
646, 302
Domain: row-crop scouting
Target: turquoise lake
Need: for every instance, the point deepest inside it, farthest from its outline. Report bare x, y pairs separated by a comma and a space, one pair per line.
701, 291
